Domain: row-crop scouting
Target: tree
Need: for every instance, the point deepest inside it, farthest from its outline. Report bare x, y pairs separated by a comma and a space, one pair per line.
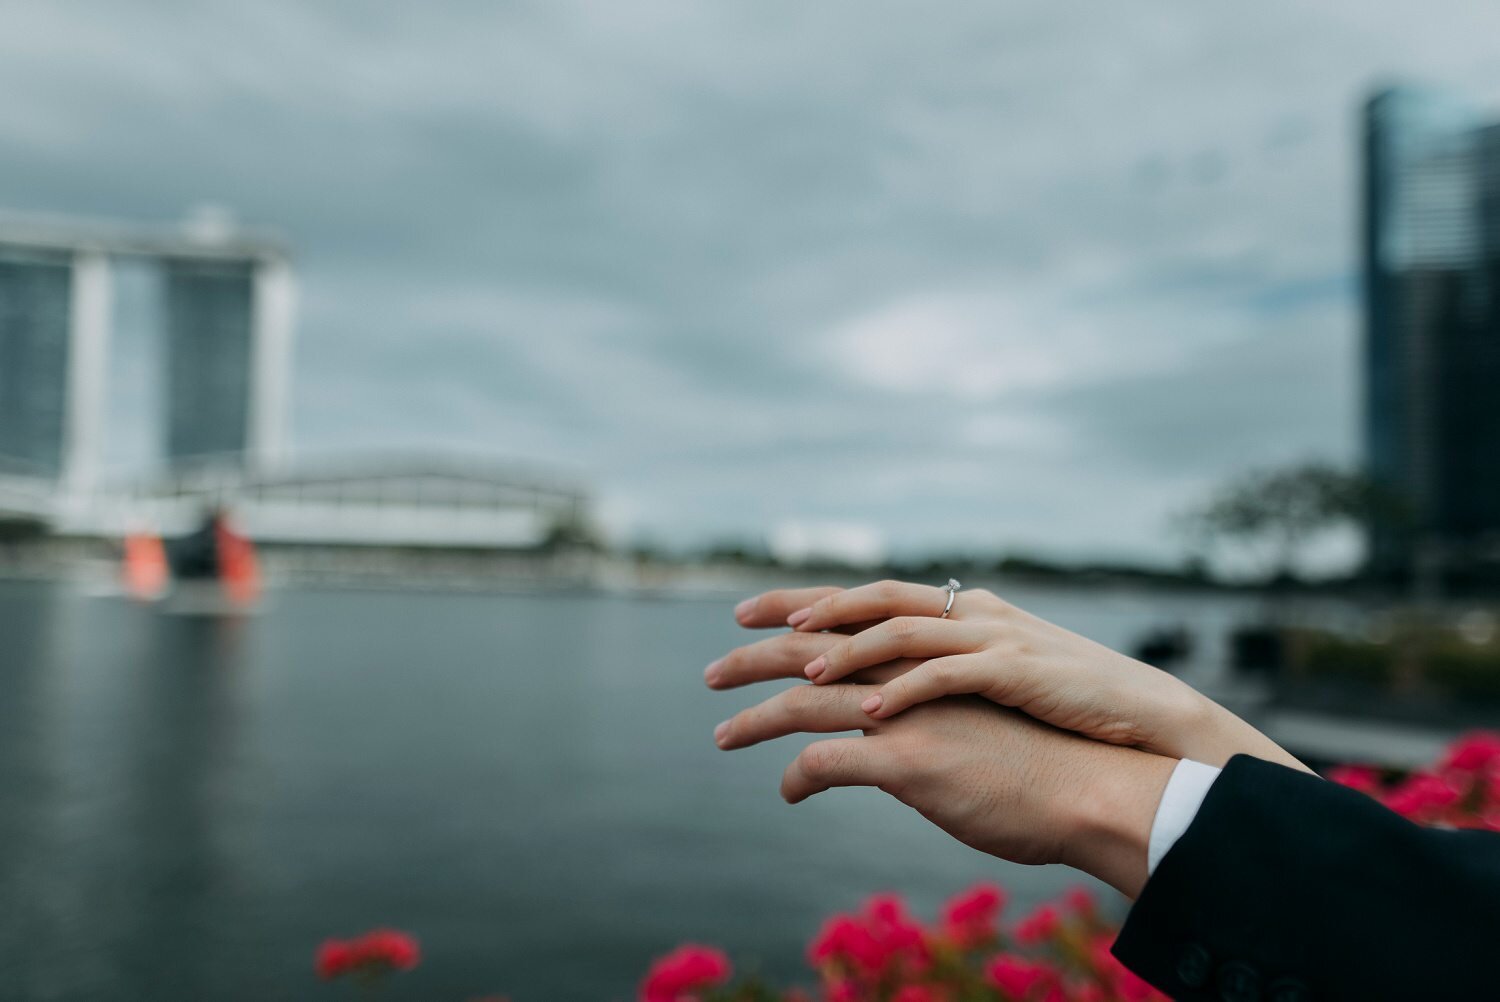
1280, 511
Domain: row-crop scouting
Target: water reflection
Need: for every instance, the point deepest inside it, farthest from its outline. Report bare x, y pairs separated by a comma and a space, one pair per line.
188, 805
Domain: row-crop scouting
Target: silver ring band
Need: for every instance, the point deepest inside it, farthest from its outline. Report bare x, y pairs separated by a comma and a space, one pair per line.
951, 588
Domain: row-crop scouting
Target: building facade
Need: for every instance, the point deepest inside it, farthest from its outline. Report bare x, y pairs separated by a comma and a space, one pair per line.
1431, 260
227, 312
34, 291
209, 332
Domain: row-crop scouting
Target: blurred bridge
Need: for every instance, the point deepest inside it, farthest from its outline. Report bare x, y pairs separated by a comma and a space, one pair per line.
399, 501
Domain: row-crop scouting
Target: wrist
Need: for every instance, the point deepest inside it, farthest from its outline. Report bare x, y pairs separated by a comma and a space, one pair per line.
1109, 833
1216, 735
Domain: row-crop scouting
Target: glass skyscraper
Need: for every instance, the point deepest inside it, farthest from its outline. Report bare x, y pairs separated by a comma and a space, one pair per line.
34, 341
1431, 248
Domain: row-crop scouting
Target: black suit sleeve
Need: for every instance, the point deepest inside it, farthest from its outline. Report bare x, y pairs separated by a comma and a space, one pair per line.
1288, 888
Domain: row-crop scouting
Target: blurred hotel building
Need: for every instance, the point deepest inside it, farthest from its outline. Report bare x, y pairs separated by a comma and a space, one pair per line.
228, 313
226, 318
1431, 261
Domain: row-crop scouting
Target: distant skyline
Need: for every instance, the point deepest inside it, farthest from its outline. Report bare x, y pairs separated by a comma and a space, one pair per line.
982, 278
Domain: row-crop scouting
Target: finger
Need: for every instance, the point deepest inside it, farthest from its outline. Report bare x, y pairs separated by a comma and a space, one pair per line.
786, 655
902, 637
770, 609
881, 674
802, 708
880, 600
781, 656
823, 765
950, 676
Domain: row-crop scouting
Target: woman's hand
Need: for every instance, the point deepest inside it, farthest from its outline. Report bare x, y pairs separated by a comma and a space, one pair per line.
992, 778
987, 647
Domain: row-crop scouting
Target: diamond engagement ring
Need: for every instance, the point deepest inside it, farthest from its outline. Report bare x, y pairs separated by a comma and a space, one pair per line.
951, 588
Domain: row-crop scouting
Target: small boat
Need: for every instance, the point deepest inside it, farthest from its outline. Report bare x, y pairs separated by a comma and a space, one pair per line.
212, 570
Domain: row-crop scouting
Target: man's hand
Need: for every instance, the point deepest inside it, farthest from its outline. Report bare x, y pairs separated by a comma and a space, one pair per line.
990, 777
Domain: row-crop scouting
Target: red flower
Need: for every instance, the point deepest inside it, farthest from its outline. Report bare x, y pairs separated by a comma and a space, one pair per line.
1423, 795
1364, 778
1040, 925
1080, 901
1473, 752
845, 939
842, 990
1020, 979
389, 948
334, 958
919, 993
1121, 981
969, 919
377, 952
901, 937
681, 974
867, 944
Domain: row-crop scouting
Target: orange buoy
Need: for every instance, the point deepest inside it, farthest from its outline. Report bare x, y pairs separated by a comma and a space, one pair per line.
145, 567
239, 571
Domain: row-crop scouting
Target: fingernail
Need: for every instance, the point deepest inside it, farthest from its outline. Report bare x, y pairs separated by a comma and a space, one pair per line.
872, 704
744, 609
799, 617
720, 733
711, 673
816, 667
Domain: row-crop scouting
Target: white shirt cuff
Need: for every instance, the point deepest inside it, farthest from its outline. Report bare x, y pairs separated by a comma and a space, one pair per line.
1179, 806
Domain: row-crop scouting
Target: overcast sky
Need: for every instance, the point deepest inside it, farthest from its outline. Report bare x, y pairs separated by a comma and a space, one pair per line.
1025, 275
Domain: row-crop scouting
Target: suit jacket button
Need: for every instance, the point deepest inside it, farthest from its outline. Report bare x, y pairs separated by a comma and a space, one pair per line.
1238, 982
1193, 966
1288, 990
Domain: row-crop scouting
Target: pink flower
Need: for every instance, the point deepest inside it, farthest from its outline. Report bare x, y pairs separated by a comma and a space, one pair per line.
1080, 902
682, 974
842, 990
1040, 925
844, 939
969, 919
389, 948
1473, 752
333, 959
1122, 982
901, 937
377, 952
919, 993
1019, 979
1364, 778
1423, 795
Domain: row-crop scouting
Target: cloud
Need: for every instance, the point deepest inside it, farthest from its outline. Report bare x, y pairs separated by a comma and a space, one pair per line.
971, 273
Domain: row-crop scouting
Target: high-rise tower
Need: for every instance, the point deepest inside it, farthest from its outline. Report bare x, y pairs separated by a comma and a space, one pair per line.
1431, 257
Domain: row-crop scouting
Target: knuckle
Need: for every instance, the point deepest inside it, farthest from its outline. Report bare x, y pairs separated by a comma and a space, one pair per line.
941, 674
810, 644
798, 700
887, 590
903, 628
806, 703
987, 597
821, 761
